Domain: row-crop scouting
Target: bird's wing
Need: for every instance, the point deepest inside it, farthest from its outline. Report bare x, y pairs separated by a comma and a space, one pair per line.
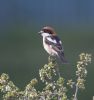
55, 43
57, 46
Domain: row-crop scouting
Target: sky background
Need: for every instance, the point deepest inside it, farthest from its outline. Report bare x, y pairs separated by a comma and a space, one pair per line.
21, 51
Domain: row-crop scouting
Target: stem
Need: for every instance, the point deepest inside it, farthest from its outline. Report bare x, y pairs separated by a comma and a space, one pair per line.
59, 98
75, 96
42, 98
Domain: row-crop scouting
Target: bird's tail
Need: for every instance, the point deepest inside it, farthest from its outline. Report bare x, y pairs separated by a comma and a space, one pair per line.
62, 58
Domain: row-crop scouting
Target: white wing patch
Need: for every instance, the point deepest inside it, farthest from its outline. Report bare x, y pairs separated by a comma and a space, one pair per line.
60, 42
51, 40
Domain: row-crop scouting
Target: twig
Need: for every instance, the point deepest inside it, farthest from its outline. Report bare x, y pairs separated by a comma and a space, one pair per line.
58, 72
76, 91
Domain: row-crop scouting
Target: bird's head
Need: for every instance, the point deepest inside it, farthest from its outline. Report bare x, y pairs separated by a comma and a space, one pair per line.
47, 31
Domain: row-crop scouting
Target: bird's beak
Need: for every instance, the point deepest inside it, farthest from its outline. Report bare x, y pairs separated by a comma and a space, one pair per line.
40, 32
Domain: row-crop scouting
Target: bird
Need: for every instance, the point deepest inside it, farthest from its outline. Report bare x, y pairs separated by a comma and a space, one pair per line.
52, 43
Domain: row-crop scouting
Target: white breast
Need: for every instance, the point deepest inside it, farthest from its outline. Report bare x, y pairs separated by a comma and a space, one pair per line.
49, 49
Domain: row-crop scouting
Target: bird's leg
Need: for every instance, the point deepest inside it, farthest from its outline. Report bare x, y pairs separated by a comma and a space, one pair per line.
58, 71
51, 59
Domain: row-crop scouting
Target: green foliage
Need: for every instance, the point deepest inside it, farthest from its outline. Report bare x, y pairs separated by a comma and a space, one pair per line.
55, 85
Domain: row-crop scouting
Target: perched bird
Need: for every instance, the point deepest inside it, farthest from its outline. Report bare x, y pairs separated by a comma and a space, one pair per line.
52, 44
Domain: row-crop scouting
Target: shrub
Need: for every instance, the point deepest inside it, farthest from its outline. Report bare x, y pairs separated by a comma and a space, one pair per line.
55, 85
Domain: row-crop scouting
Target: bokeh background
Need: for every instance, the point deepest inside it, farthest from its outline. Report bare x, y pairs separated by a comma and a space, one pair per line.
21, 51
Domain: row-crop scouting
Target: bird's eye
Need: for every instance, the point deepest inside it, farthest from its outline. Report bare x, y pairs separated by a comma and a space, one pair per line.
46, 31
